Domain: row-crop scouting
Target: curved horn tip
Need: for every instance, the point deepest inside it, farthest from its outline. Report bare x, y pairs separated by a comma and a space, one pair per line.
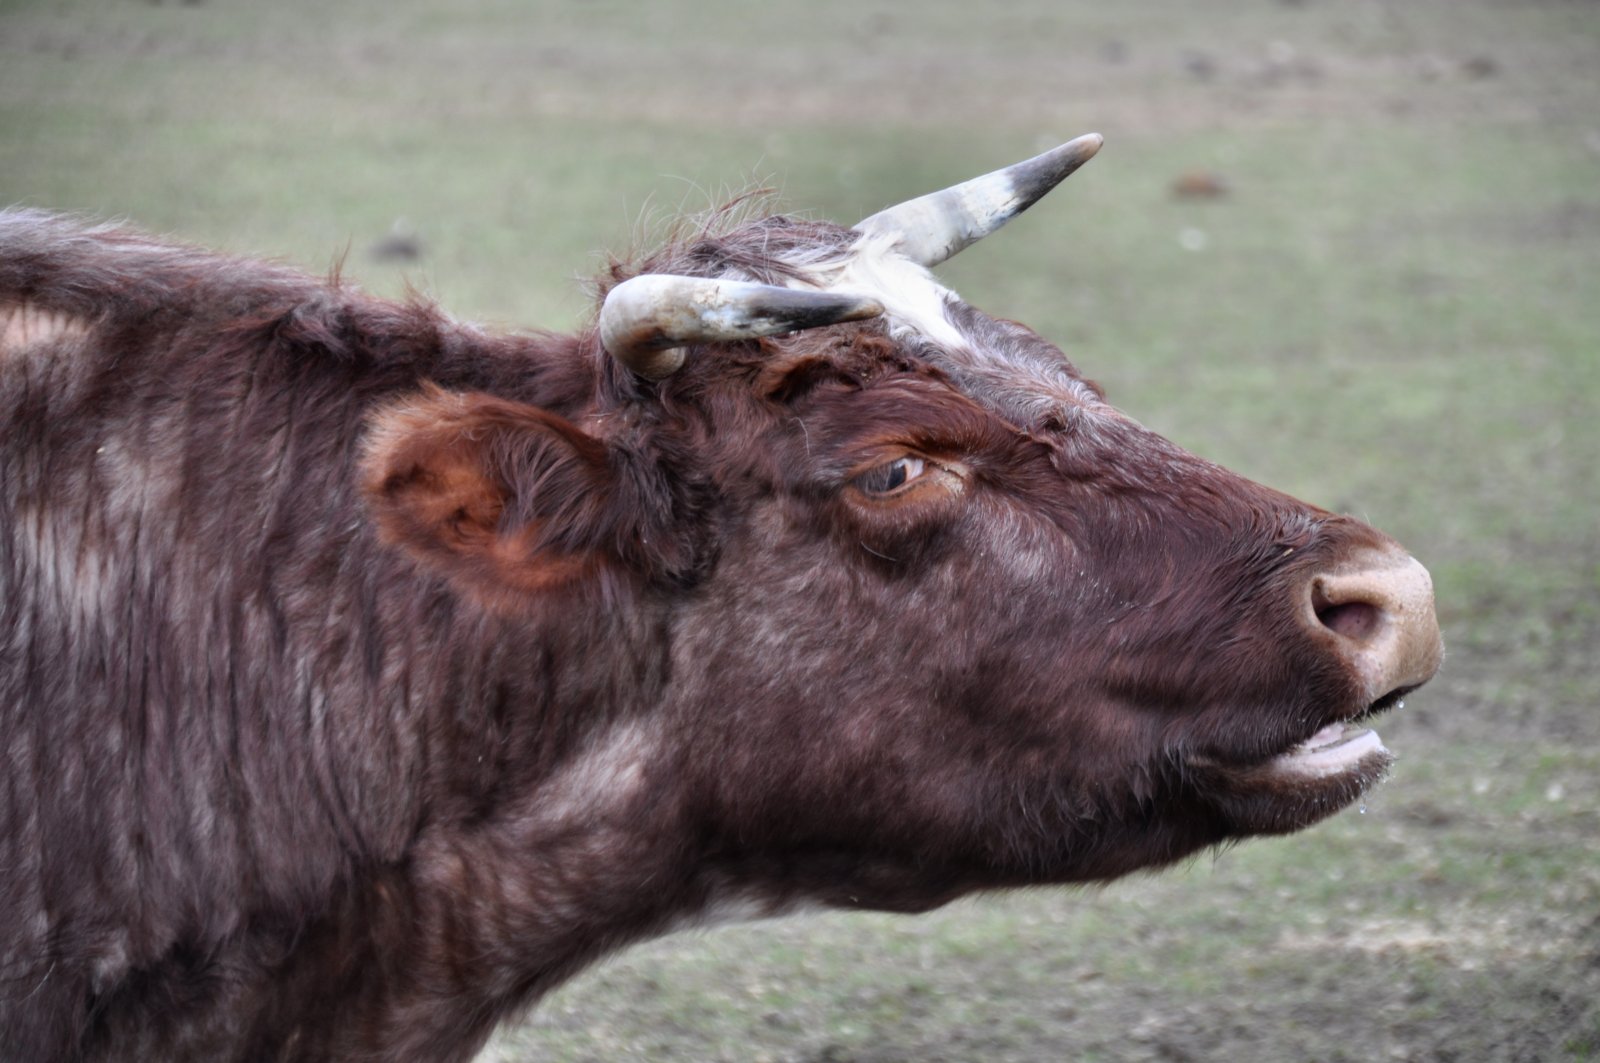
1077, 151
1092, 142
932, 228
1032, 178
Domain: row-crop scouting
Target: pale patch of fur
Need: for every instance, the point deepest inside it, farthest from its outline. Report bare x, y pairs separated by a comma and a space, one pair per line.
733, 907
1026, 554
603, 779
24, 326
110, 961
72, 568
913, 301
917, 305
67, 570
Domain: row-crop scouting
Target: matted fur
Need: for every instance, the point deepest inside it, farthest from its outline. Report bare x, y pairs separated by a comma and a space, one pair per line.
363, 674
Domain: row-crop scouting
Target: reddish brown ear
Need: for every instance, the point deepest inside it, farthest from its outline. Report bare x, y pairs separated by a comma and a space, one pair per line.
503, 497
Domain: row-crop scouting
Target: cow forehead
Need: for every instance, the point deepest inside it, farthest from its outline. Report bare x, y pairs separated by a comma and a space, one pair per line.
1003, 365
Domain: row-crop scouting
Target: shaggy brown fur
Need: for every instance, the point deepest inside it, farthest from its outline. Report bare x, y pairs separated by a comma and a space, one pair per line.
362, 675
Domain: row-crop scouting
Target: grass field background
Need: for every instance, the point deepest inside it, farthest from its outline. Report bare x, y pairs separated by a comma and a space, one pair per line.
1393, 311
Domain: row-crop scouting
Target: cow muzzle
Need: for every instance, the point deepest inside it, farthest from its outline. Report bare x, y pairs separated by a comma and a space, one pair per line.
1372, 611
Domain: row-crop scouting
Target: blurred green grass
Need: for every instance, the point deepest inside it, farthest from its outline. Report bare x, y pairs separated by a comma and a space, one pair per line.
1393, 312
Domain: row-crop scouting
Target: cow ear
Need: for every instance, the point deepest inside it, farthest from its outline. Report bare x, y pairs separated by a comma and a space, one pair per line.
504, 498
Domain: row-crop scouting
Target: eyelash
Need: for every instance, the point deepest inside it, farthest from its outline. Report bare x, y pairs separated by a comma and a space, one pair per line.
889, 478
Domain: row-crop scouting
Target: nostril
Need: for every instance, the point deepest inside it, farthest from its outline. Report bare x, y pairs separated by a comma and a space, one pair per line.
1374, 611
1349, 610
1356, 621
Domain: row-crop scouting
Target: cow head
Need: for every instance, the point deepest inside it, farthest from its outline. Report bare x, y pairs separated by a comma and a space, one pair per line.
915, 611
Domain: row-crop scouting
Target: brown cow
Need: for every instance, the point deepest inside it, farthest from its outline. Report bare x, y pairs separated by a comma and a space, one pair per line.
363, 674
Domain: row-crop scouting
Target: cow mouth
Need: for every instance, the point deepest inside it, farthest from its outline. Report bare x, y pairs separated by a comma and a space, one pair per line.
1335, 750
1340, 748
1305, 782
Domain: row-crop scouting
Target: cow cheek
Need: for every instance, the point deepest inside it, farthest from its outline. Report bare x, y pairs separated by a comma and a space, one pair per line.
926, 694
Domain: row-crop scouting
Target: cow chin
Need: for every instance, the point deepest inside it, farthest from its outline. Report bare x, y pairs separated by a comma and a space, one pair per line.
1300, 786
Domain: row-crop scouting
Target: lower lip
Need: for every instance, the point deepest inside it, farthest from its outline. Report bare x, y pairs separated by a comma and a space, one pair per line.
1331, 751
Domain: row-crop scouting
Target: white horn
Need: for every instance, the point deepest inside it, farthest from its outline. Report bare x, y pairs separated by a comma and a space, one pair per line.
931, 228
646, 320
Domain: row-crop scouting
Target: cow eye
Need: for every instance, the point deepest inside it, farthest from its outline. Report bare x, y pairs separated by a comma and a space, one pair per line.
888, 478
